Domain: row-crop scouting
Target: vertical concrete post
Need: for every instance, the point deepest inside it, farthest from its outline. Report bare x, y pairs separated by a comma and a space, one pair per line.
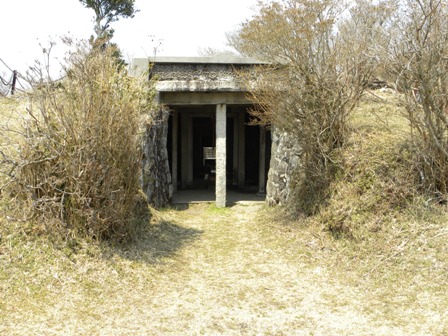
174, 150
262, 163
241, 150
221, 123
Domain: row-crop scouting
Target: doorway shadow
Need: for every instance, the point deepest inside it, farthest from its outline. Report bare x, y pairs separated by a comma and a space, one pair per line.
208, 196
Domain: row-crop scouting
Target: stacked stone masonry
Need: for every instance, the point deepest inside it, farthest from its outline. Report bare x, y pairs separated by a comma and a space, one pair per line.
285, 158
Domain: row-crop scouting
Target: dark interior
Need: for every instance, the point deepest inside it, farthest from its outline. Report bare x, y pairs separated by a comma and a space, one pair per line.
204, 136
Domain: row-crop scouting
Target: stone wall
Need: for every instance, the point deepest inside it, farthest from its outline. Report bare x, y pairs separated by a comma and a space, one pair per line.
178, 72
196, 77
285, 158
156, 177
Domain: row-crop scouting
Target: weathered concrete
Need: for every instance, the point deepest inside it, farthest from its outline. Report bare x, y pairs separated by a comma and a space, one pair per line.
215, 59
204, 98
221, 125
195, 74
188, 68
187, 150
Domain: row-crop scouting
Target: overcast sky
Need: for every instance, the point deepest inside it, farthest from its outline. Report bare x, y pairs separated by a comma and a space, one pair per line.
182, 26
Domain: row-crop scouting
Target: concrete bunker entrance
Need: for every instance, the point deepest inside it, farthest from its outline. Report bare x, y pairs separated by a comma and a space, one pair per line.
192, 130
208, 109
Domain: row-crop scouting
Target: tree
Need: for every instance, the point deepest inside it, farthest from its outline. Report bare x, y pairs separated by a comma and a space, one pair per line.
418, 58
108, 11
318, 71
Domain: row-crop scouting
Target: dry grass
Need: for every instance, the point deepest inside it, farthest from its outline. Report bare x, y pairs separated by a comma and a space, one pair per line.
396, 278
378, 180
202, 271
393, 242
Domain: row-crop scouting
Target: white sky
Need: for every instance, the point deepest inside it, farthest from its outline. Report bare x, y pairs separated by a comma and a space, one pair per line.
183, 27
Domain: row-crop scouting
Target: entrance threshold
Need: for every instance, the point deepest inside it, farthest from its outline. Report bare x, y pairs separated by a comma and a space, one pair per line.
208, 196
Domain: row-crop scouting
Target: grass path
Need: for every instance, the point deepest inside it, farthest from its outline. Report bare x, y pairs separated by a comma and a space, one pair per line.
199, 271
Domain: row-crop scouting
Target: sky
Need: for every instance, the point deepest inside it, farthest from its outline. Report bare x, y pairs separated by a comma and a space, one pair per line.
173, 27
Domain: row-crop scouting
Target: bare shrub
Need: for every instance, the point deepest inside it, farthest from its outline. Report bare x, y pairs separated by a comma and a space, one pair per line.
319, 68
79, 154
418, 60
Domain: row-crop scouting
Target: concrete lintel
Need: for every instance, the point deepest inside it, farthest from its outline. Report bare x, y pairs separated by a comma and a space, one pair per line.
200, 85
216, 59
203, 98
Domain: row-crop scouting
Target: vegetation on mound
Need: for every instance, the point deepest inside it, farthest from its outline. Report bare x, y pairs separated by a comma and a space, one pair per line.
378, 182
377, 178
379, 230
71, 159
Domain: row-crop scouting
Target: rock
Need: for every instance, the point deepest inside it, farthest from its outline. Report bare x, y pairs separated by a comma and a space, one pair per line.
285, 158
156, 177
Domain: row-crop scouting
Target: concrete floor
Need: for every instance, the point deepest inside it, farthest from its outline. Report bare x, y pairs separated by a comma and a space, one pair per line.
208, 196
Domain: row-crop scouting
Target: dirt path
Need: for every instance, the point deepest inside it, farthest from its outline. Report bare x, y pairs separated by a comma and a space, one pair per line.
234, 279
201, 271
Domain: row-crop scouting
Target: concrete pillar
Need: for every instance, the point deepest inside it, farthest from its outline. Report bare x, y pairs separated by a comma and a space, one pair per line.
241, 150
221, 123
262, 163
175, 126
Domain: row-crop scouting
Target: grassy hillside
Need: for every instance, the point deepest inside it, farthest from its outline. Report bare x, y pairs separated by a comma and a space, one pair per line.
374, 261
378, 180
387, 237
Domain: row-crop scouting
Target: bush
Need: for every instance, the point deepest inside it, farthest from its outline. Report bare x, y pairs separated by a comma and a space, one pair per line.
417, 60
79, 157
318, 67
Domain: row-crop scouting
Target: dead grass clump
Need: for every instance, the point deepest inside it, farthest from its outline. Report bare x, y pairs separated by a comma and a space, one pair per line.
77, 161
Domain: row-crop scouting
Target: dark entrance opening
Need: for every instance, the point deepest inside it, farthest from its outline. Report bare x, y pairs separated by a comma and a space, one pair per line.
252, 156
203, 137
203, 134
